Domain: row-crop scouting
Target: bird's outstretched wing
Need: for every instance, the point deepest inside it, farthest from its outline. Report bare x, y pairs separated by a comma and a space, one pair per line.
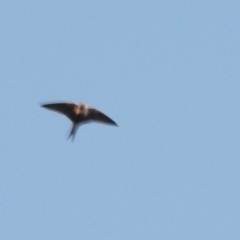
100, 117
66, 108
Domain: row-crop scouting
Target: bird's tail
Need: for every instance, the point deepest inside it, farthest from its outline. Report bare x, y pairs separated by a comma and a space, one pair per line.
73, 132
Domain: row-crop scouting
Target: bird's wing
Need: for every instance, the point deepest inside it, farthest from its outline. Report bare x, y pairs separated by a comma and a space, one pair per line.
100, 117
66, 108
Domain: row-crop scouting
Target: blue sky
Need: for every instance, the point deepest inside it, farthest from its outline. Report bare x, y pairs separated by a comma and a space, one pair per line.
168, 73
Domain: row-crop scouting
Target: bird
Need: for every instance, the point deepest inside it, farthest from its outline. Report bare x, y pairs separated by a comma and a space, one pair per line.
78, 114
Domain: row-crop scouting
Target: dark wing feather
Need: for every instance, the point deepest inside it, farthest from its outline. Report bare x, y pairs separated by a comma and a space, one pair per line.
100, 117
64, 108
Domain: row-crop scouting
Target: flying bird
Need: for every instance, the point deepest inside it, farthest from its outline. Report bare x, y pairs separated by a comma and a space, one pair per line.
79, 114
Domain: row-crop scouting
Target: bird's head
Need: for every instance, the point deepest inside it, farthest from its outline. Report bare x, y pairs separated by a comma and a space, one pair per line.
84, 108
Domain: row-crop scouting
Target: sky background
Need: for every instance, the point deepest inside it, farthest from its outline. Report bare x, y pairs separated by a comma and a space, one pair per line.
168, 73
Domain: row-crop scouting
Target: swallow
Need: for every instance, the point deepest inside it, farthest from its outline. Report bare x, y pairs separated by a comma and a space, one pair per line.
79, 114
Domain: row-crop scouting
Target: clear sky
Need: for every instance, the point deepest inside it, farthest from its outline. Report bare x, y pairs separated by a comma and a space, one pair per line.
168, 73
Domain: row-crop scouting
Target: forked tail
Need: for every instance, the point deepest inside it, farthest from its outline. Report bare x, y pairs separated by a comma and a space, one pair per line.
73, 131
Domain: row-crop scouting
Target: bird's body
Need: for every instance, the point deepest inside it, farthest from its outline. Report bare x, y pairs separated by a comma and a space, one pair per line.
79, 114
